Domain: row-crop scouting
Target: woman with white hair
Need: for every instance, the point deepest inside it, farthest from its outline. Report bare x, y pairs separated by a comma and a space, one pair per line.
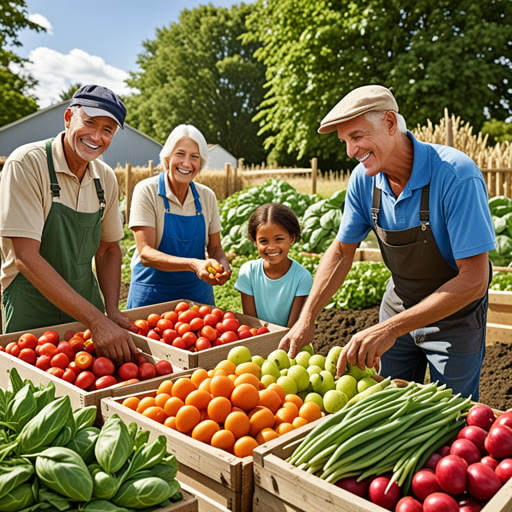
176, 224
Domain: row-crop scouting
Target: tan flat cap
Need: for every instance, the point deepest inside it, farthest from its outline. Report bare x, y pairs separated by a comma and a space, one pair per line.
359, 101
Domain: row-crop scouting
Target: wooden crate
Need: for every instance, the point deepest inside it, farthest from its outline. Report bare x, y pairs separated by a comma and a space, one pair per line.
499, 317
261, 345
282, 487
79, 397
189, 503
222, 481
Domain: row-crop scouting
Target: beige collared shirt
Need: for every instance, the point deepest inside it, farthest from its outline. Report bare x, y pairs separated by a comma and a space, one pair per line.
26, 199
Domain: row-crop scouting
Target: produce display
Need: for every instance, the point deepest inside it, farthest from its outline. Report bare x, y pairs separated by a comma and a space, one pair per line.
501, 212
53, 458
74, 360
501, 281
195, 327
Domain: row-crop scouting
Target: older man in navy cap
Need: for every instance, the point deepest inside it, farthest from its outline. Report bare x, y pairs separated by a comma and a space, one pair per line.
428, 207
59, 210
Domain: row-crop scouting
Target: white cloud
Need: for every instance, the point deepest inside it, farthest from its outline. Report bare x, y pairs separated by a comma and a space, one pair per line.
56, 72
41, 20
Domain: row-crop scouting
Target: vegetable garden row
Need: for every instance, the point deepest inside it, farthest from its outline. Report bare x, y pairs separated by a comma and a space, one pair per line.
213, 416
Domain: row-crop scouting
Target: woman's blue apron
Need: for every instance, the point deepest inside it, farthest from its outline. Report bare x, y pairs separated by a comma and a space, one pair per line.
184, 237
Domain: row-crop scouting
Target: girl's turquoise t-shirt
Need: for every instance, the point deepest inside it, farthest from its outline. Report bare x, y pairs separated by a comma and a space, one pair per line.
273, 298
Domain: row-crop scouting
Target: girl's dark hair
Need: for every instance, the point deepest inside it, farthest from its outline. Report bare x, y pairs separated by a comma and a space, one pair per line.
275, 213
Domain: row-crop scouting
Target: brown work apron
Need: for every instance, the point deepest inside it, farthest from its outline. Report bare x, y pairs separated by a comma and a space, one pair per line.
417, 270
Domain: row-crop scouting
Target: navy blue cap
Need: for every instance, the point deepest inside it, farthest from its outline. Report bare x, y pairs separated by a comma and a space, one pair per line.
97, 100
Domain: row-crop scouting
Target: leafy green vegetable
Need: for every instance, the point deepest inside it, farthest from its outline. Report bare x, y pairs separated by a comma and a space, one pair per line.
114, 445
17, 499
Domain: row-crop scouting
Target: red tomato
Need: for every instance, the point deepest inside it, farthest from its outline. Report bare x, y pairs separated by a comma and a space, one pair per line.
246, 333
105, 381
204, 310
52, 337
230, 324
242, 327
142, 326
220, 328
164, 324
203, 343
171, 315
440, 501
87, 334
69, 375
153, 320
43, 362
228, 337
483, 483
262, 330
28, 355
189, 338
84, 360
89, 347
210, 320
133, 328
209, 333
228, 314
103, 366
408, 504
218, 313
77, 343
141, 360
57, 372
48, 349
13, 349
183, 328
2, 348
128, 371
424, 482
179, 343
181, 306
197, 324
85, 379
27, 340
378, 495
60, 360
72, 366
169, 335
481, 415
163, 367
153, 335
451, 473
65, 347
147, 371
187, 316
69, 334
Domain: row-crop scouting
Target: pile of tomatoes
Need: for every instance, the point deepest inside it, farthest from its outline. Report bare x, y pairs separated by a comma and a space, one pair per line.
195, 327
74, 360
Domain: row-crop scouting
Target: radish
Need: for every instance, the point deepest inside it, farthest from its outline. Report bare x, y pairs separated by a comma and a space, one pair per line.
451, 473
408, 504
476, 435
440, 501
481, 415
499, 442
468, 504
424, 482
466, 450
490, 461
504, 470
351, 484
432, 461
483, 483
379, 496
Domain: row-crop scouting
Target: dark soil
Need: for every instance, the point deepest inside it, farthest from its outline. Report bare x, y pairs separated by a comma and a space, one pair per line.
337, 326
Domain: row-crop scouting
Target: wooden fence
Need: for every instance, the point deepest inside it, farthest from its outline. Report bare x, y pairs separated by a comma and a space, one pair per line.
499, 181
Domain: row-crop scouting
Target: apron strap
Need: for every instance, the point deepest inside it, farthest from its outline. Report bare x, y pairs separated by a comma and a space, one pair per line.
424, 207
101, 195
197, 202
54, 184
376, 203
161, 192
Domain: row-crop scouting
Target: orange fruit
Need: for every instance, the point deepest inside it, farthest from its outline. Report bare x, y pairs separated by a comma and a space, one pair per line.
266, 435
260, 418
161, 399
285, 415
232, 377
173, 405
293, 407
238, 423
205, 384
204, 430
299, 421
221, 385
204, 415
155, 413
228, 366
279, 390
200, 398
244, 446
248, 368
248, 378
245, 396
218, 408
147, 401
269, 398
153, 319
198, 376
182, 387
297, 400
284, 428
132, 402
223, 439
170, 422
187, 418
165, 387
310, 411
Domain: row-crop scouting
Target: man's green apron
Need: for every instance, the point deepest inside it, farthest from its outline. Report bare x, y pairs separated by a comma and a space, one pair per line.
69, 241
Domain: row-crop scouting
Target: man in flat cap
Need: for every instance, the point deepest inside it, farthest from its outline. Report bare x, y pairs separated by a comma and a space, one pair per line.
58, 210
428, 206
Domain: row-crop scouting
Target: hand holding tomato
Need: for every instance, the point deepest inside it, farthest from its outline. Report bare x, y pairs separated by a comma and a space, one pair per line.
112, 341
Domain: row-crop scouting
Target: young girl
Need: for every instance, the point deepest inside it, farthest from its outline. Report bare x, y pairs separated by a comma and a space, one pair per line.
274, 287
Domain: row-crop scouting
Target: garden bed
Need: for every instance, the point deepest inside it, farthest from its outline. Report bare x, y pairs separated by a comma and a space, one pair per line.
337, 326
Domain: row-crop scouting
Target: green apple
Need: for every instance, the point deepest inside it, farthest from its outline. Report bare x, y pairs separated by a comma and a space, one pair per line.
322, 382
334, 400
317, 359
268, 379
348, 385
300, 375
284, 371
365, 383
293, 362
288, 384
280, 358
331, 361
239, 355
355, 371
315, 397
270, 368
308, 348
313, 369
303, 359
259, 360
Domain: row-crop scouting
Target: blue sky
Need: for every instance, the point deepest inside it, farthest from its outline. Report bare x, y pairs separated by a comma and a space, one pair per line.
94, 41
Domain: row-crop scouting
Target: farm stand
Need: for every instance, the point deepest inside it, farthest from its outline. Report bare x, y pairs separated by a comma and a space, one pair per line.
262, 344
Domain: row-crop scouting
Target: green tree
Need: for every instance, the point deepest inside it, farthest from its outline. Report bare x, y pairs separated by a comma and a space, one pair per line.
67, 94
15, 83
432, 54
198, 72
498, 131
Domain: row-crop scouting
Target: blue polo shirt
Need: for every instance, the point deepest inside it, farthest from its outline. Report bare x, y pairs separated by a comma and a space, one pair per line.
458, 202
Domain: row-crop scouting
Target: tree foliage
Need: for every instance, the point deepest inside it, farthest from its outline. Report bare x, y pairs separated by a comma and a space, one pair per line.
67, 94
198, 72
15, 83
498, 131
432, 54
